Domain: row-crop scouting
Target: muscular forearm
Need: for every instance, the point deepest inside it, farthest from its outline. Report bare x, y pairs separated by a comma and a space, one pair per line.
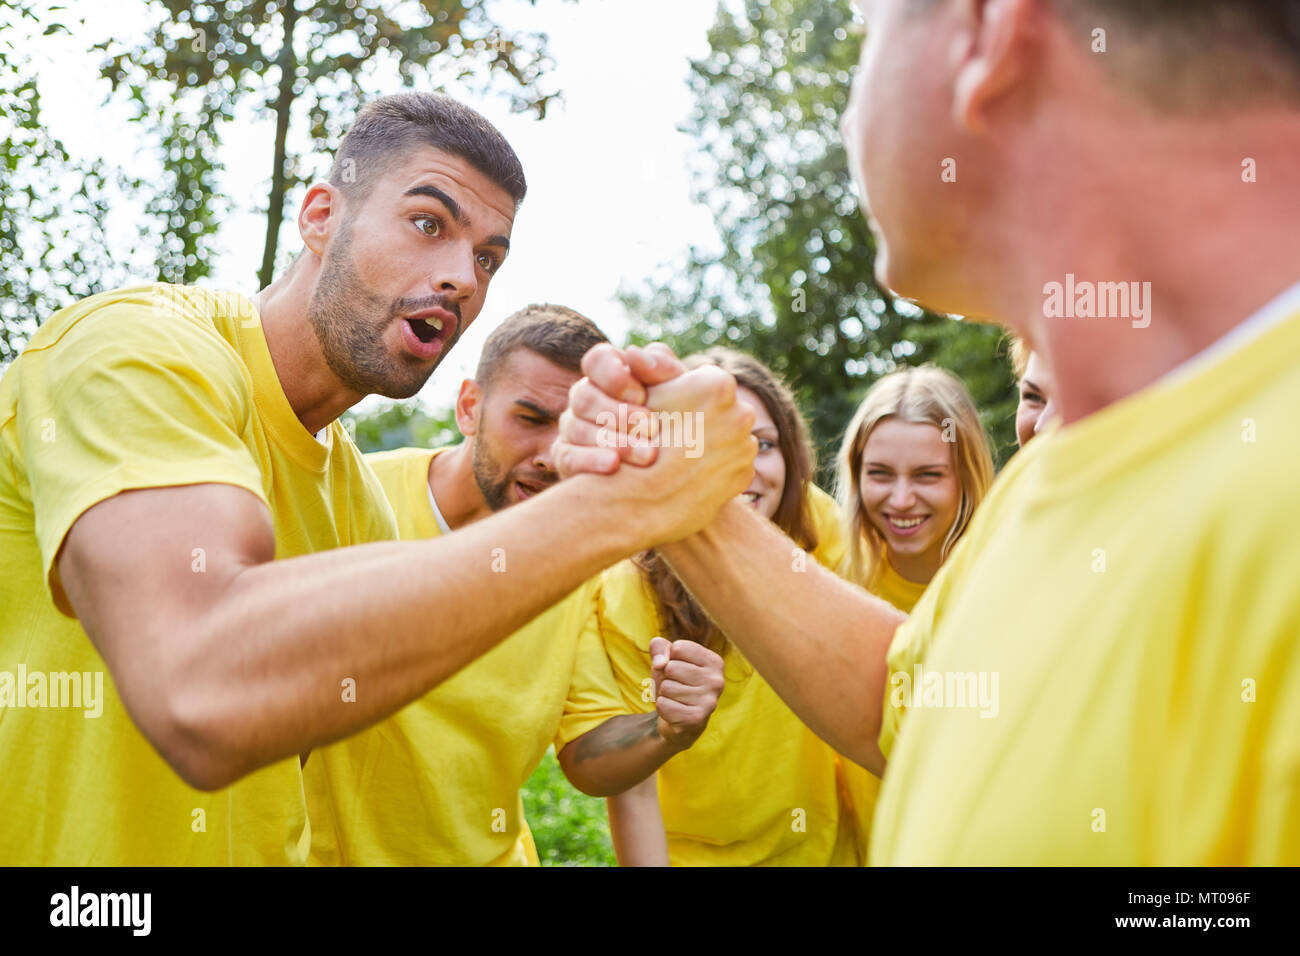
819, 641
302, 652
617, 755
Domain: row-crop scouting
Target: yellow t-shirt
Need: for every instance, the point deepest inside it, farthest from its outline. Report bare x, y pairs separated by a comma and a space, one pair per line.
438, 782
1132, 585
863, 785
758, 787
144, 387
888, 585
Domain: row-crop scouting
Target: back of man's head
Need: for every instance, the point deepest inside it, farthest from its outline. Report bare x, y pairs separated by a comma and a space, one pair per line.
1196, 54
558, 334
391, 127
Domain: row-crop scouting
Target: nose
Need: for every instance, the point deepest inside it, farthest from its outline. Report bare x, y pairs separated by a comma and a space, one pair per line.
542, 459
901, 496
1045, 416
455, 275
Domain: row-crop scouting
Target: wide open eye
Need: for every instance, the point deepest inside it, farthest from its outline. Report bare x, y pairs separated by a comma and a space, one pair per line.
428, 225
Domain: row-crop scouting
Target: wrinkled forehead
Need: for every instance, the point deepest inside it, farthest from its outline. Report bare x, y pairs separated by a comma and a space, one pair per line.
525, 376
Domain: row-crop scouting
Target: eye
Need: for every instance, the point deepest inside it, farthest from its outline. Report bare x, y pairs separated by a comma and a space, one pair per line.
489, 263
877, 473
766, 444
531, 419
429, 225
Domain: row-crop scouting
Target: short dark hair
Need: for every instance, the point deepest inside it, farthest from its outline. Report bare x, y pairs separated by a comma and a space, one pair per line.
556, 333
1204, 50
394, 124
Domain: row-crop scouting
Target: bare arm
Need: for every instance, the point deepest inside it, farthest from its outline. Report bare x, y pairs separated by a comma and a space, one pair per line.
623, 751
636, 826
243, 664
820, 642
616, 756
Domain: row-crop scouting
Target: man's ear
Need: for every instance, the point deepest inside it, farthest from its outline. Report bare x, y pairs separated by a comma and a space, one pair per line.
993, 54
319, 216
469, 404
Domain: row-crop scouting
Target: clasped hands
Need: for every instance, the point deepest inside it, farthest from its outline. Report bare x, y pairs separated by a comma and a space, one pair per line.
629, 409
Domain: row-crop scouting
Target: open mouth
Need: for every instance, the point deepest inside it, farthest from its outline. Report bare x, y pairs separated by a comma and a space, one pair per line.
526, 489
426, 330
749, 497
427, 333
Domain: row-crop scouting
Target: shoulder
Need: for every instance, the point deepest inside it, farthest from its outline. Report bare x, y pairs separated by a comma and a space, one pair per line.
390, 465
159, 331
626, 606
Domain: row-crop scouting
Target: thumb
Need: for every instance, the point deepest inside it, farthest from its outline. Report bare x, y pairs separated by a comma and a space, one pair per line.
660, 651
653, 364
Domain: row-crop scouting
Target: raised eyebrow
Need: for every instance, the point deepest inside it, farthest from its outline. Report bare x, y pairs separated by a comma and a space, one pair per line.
433, 192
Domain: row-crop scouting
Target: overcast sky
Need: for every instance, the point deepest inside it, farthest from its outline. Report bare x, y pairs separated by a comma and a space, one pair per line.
608, 192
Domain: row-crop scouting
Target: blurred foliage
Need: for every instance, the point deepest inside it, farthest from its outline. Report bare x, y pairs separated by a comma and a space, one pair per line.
52, 208
569, 827
794, 283
400, 425
309, 66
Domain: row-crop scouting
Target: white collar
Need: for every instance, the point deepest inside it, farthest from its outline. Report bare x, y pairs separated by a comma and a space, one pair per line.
1274, 313
437, 515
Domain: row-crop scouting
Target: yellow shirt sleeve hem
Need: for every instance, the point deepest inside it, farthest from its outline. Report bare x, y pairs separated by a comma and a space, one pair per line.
126, 477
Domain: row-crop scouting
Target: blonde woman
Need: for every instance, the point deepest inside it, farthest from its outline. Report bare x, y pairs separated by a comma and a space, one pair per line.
913, 467
757, 788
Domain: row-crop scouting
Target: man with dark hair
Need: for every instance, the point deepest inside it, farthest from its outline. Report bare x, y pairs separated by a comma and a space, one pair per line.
175, 482
1127, 182
437, 784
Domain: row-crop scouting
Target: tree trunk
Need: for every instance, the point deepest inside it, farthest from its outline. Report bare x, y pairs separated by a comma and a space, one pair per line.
284, 102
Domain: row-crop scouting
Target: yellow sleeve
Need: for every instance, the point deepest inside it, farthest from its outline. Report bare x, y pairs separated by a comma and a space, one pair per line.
830, 533
912, 641
593, 692
628, 619
131, 396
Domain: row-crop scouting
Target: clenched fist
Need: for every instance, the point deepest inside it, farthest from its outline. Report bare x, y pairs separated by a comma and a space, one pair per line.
687, 682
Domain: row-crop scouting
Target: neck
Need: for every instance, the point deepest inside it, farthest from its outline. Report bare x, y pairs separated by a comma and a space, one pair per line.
917, 568
451, 479
1171, 214
315, 394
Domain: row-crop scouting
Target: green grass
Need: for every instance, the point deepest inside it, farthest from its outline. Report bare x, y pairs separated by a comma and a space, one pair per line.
569, 827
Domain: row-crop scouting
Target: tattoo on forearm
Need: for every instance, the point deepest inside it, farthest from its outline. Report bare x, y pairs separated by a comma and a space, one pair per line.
617, 733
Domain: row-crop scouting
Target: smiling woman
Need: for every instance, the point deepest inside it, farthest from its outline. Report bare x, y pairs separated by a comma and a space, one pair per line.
913, 467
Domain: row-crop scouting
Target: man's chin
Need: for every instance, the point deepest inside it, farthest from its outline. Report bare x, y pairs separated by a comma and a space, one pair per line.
406, 382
